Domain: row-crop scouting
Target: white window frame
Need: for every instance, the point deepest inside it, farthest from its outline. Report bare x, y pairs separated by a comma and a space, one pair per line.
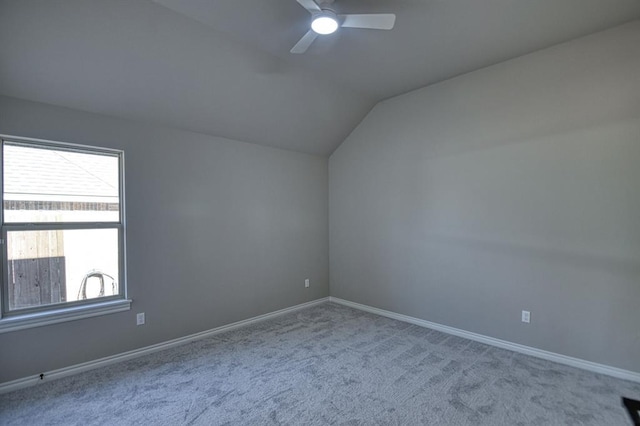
66, 311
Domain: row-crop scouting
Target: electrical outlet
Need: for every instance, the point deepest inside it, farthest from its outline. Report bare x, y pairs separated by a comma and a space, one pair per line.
526, 316
306, 283
140, 318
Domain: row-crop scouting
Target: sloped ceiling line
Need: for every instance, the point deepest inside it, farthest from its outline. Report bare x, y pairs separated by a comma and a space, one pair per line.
222, 67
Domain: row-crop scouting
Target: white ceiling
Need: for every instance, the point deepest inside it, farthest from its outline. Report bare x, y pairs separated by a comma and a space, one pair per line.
223, 67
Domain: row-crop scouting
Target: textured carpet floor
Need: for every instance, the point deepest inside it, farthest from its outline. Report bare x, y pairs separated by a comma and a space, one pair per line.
328, 364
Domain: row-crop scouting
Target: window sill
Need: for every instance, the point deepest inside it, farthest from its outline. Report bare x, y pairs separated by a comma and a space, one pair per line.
63, 315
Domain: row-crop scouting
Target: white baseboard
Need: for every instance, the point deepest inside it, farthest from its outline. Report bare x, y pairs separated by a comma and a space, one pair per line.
527, 350
90, 365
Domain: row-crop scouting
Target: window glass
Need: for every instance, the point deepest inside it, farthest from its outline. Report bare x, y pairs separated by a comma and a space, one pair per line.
58, 266
50, 185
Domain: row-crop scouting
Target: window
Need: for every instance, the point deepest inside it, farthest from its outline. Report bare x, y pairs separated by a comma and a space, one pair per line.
62, 232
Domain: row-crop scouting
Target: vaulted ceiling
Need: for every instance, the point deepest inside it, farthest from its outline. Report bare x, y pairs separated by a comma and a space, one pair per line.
223, 67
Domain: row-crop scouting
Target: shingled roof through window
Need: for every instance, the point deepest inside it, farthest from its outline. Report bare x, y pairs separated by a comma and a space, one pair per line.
42, 174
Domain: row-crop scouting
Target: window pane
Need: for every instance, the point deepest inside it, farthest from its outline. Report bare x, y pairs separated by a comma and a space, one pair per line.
57, 266
48, 185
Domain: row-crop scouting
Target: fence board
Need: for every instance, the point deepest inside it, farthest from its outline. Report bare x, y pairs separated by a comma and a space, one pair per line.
36, 282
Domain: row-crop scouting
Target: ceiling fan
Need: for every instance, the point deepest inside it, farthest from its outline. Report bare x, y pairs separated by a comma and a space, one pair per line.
325, 21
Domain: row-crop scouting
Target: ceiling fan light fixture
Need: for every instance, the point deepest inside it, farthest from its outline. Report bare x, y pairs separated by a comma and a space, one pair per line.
325, 23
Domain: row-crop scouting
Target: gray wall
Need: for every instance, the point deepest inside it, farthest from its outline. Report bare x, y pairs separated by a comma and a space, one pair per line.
515, 187
217, 231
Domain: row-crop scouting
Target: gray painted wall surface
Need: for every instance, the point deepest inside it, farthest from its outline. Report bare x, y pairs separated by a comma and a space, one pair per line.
217, 231
515, 187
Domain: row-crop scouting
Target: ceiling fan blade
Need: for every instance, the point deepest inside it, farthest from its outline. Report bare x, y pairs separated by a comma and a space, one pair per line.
304, 43
310, 5
375, 21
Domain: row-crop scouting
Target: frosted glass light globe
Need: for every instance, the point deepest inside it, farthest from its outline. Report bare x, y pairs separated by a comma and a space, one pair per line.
324, 24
